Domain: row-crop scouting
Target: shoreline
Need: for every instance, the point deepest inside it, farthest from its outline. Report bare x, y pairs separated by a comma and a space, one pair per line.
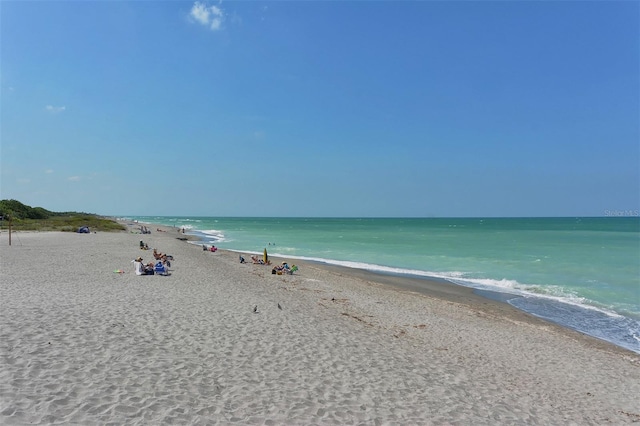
445, 289
491, 302
83, 343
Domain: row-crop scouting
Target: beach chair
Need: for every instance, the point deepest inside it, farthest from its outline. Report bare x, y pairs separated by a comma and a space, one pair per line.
291, 270
160, 269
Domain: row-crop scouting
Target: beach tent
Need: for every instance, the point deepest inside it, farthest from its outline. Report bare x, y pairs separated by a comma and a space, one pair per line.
83, 230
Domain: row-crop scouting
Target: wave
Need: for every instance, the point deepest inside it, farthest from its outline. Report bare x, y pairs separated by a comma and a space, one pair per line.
552, 292
212, 235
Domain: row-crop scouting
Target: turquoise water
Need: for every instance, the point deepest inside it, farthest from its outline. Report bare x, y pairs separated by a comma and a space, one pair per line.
583, 273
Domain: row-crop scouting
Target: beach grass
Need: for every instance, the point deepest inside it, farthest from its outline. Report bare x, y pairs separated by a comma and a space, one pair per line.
21, 217
66, 223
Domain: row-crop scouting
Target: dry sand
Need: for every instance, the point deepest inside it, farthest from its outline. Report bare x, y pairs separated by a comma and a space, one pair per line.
82, 344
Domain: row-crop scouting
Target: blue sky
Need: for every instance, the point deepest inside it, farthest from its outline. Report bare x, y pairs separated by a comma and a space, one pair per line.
321, 108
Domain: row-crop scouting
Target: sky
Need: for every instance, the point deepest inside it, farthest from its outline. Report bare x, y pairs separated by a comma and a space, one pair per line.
321, 108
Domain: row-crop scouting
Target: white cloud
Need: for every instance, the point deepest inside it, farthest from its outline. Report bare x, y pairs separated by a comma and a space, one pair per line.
48, 171
211, 16
73, 178
54, 109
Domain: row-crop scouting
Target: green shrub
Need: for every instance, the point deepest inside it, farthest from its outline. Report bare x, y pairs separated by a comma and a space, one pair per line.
26, 218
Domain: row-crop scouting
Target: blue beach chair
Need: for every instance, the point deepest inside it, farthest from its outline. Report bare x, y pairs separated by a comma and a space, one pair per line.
160, 269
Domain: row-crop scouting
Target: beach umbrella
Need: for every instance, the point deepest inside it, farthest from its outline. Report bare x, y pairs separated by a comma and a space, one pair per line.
265, 257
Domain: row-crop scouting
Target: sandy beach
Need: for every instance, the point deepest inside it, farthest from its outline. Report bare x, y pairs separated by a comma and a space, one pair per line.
82, 343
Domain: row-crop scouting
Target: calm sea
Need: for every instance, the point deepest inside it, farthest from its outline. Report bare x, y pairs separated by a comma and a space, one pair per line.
582, 273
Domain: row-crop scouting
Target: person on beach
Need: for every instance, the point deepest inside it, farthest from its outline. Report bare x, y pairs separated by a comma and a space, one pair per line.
284, 268
280, 269
161, 256
139, 267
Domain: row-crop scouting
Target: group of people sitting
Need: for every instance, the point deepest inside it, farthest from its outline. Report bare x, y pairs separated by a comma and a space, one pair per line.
212, 249
284, 268
160, 267
149, 268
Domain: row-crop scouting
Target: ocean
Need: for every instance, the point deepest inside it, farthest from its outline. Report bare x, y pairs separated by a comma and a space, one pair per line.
581, 273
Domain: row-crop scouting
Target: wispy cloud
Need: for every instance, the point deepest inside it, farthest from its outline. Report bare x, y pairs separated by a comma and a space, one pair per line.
55, 109
74, 178
48, 171
210, 16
